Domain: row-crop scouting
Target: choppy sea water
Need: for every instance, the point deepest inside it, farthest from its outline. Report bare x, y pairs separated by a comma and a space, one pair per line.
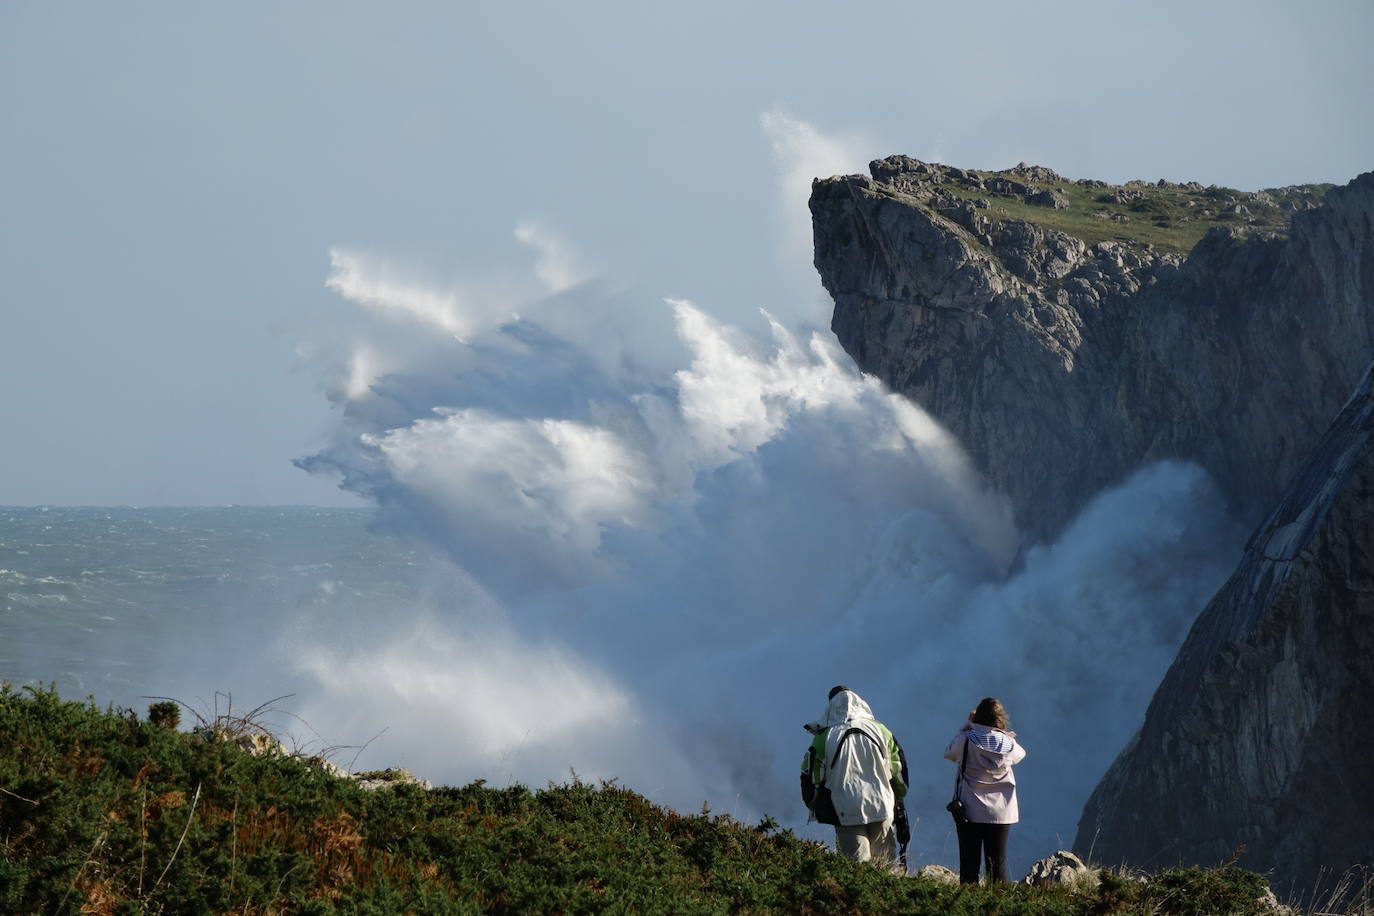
124, 603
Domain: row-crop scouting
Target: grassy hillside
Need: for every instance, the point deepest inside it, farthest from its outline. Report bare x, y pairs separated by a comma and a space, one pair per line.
101, 812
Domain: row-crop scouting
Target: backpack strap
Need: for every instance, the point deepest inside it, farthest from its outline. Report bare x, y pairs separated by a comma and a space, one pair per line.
840, 746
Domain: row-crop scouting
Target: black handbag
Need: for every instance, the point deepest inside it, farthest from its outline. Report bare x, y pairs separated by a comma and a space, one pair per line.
956, 807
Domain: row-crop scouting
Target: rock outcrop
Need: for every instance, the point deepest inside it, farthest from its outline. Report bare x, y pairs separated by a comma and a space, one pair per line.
938, 873
256, 740
1068, 332
1063, 868
1258, 736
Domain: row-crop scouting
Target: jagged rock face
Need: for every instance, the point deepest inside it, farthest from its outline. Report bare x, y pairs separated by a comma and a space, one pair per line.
1063, 365
1259, 734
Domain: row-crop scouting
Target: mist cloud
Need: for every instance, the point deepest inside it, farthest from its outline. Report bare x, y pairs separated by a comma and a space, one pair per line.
372, 283
699, 556
800, 153
555, 267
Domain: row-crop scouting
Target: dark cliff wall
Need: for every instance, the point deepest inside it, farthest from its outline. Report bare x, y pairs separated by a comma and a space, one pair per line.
1259, 734
1064, 365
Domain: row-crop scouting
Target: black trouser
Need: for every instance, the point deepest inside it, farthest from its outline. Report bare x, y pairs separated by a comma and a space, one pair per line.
982, 841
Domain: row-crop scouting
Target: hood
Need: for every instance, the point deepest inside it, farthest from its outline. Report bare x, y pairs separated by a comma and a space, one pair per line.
845, 706
993, 743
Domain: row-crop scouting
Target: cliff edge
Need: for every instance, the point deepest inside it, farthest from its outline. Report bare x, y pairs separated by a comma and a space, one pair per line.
1070, 331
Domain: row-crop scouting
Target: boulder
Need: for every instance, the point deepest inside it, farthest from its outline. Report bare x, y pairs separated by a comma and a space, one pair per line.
938, 873
1063, 868
1122, 196
1005, 187
1038, 173
1048, 197
259, 743
389, 779
324, 763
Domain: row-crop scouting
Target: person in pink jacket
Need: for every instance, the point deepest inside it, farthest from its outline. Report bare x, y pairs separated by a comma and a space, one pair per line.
986, 749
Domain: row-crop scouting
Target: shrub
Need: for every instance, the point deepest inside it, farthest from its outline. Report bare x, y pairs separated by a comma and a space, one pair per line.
106, 814
165, 713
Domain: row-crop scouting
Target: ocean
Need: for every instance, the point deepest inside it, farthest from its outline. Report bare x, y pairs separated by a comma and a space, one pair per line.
120, 604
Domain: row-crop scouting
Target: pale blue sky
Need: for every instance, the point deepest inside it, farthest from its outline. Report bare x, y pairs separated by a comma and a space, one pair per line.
173, 176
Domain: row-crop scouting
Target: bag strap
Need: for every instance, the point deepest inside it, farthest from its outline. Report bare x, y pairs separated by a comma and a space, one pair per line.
839, 746
959, 776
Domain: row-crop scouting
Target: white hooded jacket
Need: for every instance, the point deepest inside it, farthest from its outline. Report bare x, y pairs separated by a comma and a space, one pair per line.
988, 786
861, 750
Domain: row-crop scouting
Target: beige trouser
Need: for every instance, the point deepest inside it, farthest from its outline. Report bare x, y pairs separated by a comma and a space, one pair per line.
865, 842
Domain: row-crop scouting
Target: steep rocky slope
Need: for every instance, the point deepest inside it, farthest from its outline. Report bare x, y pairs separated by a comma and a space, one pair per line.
1069, 332
1259, 734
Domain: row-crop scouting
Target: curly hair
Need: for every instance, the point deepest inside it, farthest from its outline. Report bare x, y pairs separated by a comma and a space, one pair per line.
991, 712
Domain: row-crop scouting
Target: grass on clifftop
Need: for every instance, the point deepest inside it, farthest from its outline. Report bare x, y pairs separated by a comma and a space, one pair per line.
103, 813
1171, 218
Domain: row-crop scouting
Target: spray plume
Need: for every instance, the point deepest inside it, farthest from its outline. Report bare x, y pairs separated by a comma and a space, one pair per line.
665, 554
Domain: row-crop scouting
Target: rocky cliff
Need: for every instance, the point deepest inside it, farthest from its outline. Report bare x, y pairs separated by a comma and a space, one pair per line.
1070, 331
1258, 736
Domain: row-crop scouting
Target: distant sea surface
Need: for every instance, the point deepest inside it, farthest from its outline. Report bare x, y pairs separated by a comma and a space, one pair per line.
119, 603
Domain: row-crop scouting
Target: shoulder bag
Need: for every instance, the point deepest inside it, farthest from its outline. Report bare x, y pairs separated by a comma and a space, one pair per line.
956, 807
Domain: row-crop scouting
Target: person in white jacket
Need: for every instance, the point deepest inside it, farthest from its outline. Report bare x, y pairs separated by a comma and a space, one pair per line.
986, 749
854, 778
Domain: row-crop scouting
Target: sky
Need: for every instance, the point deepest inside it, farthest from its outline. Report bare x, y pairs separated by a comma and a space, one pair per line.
179, 181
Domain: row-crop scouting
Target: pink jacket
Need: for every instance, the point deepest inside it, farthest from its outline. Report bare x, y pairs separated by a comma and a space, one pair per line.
988, 789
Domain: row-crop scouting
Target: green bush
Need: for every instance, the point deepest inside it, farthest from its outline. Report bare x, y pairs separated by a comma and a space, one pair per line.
102, 813
165, 713
1194, 892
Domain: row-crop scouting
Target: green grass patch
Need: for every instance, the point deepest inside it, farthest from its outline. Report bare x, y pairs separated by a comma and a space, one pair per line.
101, 812
1172, 218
